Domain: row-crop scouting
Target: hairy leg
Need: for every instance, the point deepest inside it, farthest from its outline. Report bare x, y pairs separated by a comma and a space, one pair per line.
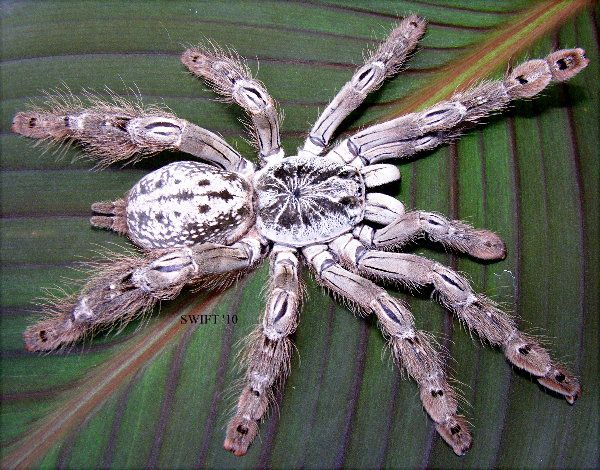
226, 72
478, 312
127, 287
268, 354
411, 348
122, 132
452, 234
383, 63
415, 132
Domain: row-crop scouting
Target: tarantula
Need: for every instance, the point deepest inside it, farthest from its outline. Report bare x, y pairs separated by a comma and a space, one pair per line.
200, 224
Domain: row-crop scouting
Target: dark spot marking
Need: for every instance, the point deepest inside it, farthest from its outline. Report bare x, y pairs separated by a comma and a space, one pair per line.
170, 268
413, 24
437, 112
433, 222
525, 349
243, 430
160, 217
455, 429
389, 313
354, 150
348, 201
296, 193
43, 336
223, 194
121, 123
203, 208
203, 183
522, 80
159, 184
256, 393
562, 64
32, 122
177, 214
560, 377
437, 393
364, 74
451, 281
281, 311
185, 195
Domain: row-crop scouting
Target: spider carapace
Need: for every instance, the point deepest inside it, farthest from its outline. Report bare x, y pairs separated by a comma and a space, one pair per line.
202, 224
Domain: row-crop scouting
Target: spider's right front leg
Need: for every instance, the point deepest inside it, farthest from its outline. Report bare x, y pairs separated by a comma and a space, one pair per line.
453, 234
129, 286
268, 355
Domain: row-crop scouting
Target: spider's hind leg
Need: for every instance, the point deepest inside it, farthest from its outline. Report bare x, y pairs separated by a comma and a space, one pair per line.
126, 287
411, 348
475, 310
268, 354
112, 216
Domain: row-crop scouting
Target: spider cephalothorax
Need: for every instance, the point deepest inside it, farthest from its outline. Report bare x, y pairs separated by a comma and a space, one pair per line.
198, 222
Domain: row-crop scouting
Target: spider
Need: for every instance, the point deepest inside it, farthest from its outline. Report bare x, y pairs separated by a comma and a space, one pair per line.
206, 224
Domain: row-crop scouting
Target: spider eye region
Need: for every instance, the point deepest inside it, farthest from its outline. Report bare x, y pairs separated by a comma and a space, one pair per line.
186, 203
303, 200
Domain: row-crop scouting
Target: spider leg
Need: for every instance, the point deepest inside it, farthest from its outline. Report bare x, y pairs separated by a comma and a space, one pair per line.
127, 287
415, 132
452, 234
478, 312
383, 63
229, 76
411, 347
123, 132
268, 353
112, 216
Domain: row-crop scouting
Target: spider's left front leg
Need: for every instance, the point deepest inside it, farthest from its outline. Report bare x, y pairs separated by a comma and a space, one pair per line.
478, 312
268, 354
412, 349
230, 77
383, 63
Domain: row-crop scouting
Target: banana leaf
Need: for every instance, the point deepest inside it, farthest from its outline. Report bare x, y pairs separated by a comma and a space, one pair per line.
159, 393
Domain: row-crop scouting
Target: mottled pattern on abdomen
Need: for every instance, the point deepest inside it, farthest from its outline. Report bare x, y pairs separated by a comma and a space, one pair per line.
308, 200
185, 203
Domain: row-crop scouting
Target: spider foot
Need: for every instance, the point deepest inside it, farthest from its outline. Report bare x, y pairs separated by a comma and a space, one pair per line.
456, 433
560, 380
50, 334
240, 434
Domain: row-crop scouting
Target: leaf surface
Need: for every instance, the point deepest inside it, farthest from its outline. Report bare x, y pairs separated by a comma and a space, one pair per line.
160, 394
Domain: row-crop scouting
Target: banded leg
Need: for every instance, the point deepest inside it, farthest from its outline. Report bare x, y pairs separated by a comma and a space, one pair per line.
383, 63
123, 132
129, 286
478, 312
230, 77
268, 356
415, 132
452, 234
411, 347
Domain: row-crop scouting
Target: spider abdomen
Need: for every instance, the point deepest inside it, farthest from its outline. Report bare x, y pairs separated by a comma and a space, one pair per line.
185, 203
304, 200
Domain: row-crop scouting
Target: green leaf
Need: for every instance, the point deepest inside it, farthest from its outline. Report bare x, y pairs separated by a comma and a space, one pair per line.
160, 393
